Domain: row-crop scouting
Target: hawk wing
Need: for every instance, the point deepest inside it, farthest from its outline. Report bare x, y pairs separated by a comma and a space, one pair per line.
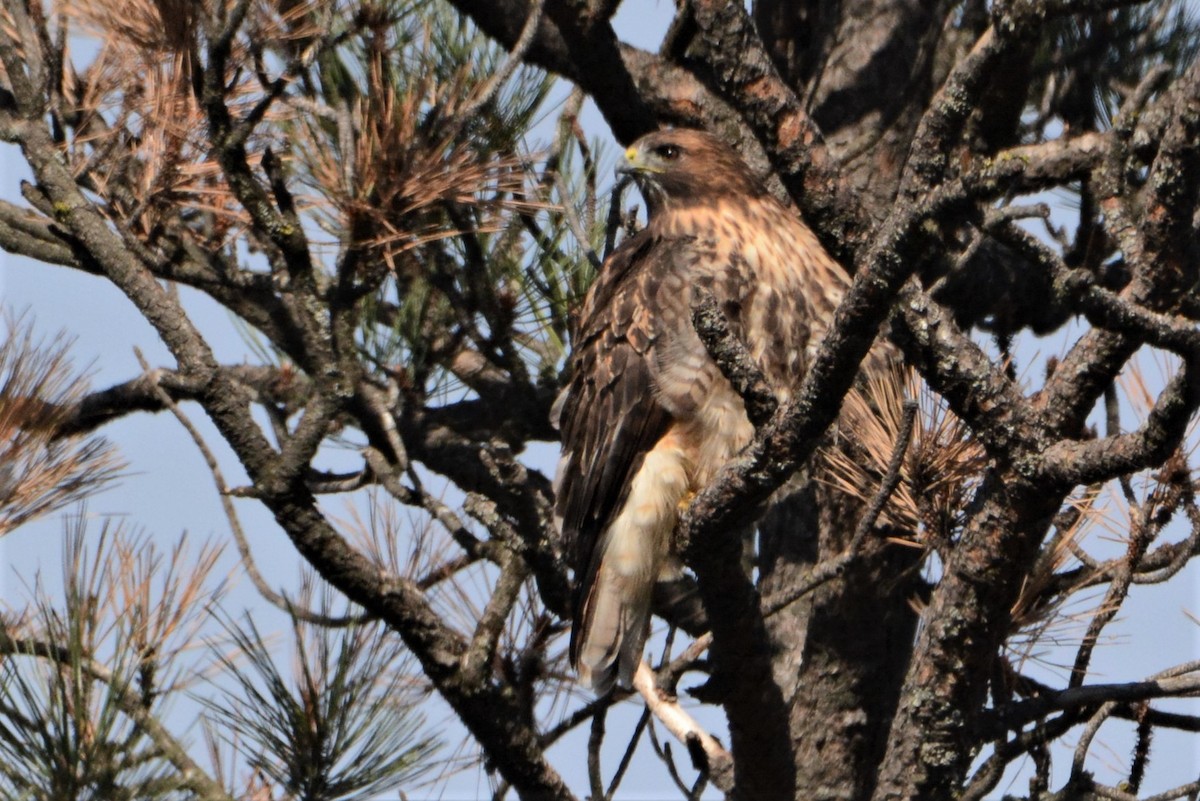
611, 413
608, 414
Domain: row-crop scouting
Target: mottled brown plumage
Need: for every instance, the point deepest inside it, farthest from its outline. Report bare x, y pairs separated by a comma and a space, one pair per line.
647, 418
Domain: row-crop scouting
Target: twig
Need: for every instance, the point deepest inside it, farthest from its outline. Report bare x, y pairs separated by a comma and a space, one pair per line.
668, 675
891, 478
685, 728
627, 757
831, 568
585, 712
663, 752
989, 774
1181, 552
1139, 541
595, 740
445, 570
1085, 739
1103, 307
1141, 749
457, 530
274, 598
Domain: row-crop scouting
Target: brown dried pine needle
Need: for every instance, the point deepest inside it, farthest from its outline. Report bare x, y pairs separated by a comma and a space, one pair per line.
400, 176
941, 462
39, 471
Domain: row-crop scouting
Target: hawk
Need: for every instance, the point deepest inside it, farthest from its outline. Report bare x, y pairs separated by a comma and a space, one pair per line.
647, 418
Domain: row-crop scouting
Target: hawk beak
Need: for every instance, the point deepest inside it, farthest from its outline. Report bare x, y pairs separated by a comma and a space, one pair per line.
634, 163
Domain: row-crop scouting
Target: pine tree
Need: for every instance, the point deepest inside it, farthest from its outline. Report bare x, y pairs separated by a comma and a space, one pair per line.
371, 189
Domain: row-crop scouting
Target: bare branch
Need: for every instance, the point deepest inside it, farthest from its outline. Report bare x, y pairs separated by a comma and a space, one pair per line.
1175, 682
718, 763
1069, 463
732, 356
627, 757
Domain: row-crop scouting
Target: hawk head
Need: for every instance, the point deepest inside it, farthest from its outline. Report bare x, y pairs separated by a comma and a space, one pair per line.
679, 167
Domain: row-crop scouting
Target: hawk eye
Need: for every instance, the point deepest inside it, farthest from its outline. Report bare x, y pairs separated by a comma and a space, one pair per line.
668, 152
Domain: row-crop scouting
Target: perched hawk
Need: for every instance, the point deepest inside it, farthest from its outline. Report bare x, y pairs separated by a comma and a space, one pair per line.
647, 418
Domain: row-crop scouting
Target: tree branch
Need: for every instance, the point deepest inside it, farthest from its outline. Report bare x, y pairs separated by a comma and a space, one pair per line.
718, 762
1177, 682
1071, 463
732, 356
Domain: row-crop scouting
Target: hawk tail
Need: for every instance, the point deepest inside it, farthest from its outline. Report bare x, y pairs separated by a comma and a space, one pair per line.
612, 629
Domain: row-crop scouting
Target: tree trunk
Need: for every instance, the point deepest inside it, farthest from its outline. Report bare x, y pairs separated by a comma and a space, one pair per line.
842, 650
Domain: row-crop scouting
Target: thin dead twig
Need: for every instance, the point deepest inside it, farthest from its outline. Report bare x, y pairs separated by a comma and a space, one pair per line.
276, 599
831, 568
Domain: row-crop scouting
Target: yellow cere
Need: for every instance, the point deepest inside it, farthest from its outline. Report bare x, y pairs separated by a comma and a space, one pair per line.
630, 153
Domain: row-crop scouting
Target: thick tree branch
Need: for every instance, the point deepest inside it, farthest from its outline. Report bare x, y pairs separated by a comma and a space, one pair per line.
1070, 463
732, 356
